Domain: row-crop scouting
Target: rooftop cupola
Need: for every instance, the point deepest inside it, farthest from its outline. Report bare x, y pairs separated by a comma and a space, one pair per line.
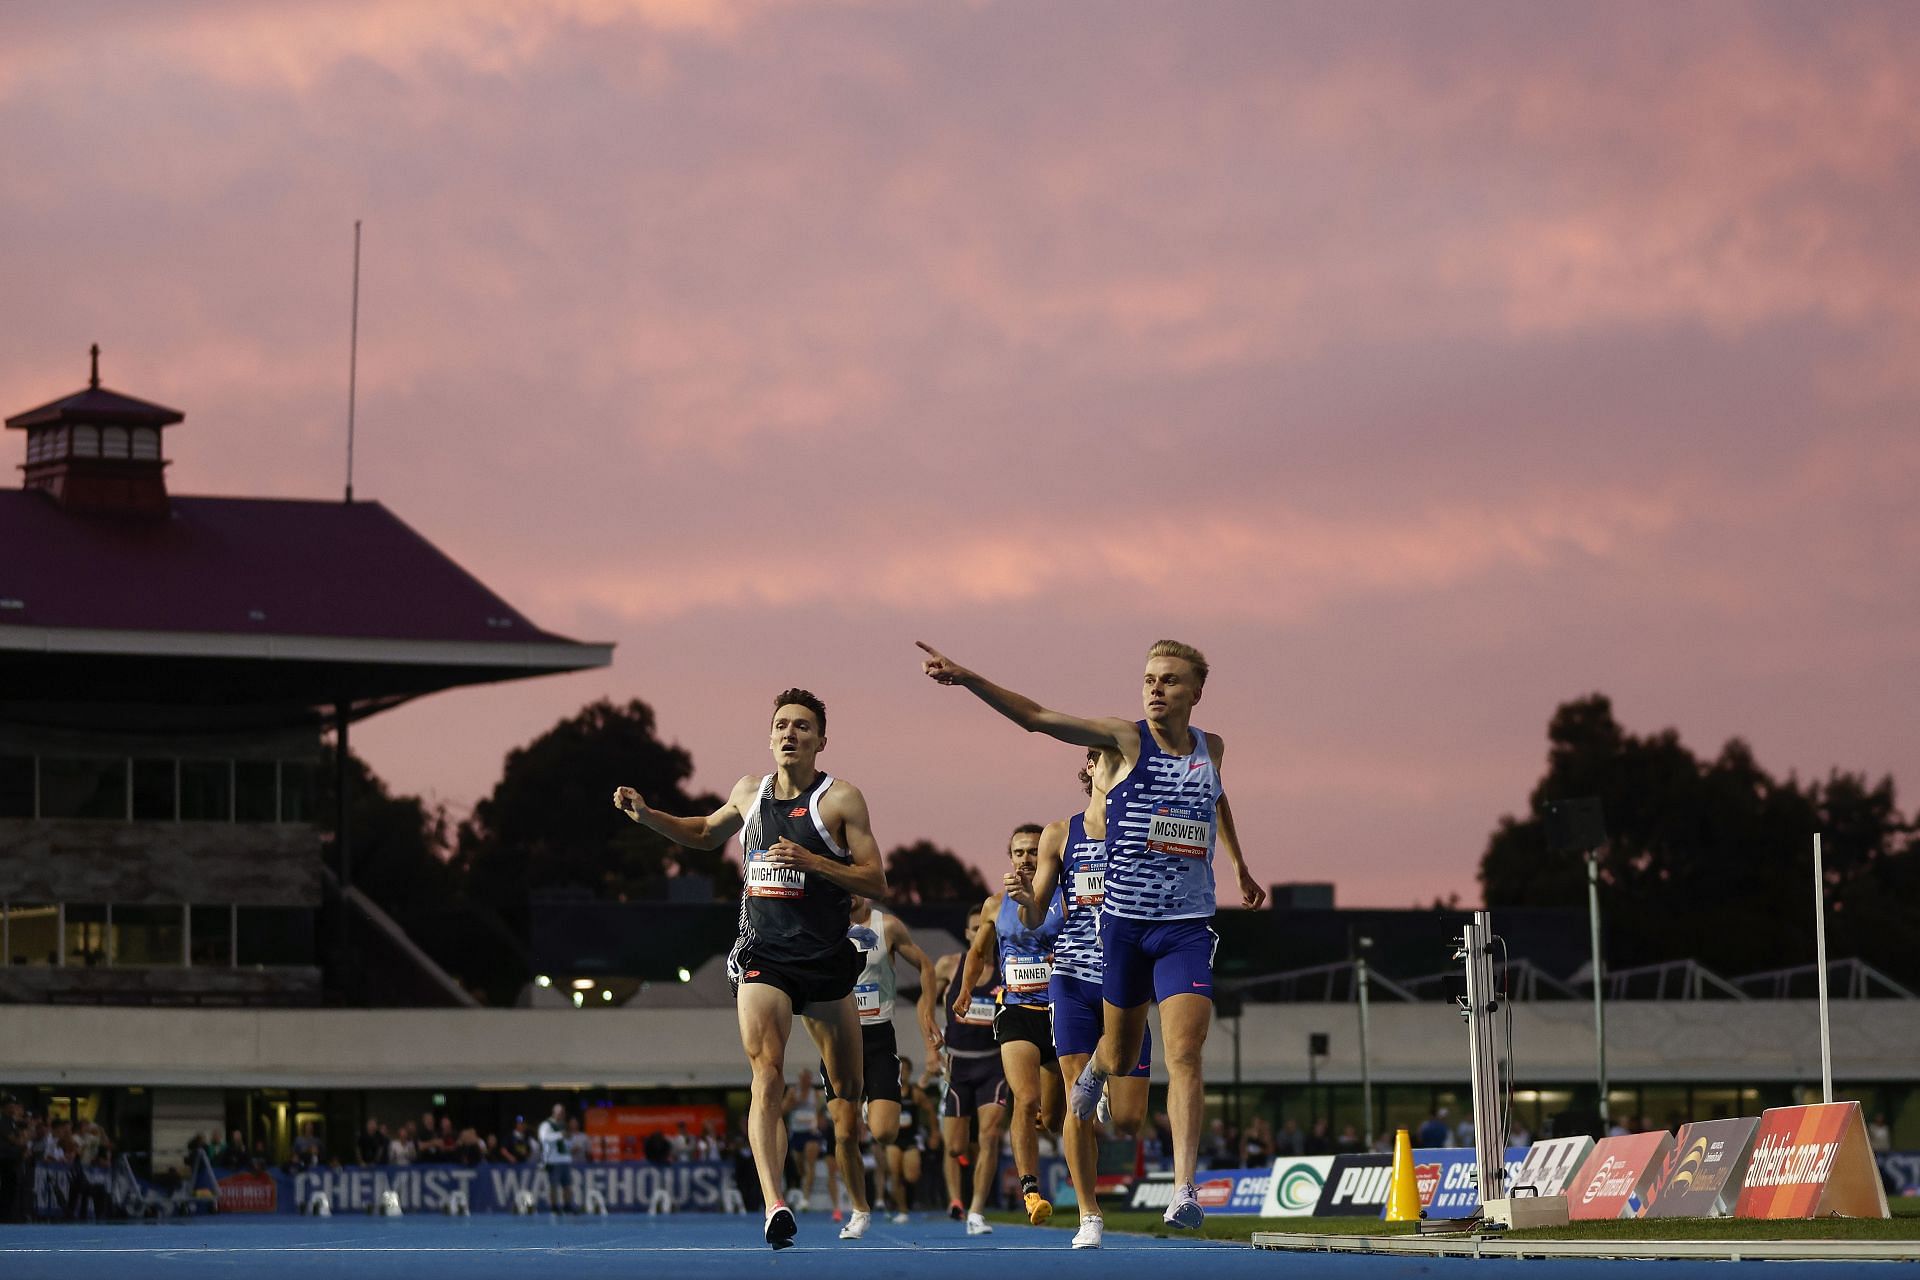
97, 450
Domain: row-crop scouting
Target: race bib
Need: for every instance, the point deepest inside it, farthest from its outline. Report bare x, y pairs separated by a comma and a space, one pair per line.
766, 880
866, 998
1089, 886
1028, 976
1179, 831
979, 1011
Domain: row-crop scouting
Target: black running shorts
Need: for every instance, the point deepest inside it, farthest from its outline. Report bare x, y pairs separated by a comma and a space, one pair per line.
879, 1064
973, 1083
1031, 1023
818, 981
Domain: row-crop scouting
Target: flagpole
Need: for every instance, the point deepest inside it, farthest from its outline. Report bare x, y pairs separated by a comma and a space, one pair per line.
1820, 963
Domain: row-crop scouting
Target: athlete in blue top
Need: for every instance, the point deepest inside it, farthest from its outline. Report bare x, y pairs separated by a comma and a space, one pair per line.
1021, 1025
1072, 871
1164, 811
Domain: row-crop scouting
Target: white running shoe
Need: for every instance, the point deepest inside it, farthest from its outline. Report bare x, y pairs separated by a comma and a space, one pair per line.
856, 1225
1104, 1111
1185, 1212
978, 1225
1085, 1093
900, 1219
1091, 1230
797, 1202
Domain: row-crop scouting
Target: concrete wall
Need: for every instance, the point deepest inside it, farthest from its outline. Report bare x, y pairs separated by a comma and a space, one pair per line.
1753, 1042
244, 863
276, 984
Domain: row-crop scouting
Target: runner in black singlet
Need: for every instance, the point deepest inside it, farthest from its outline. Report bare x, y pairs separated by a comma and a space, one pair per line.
809, 845
976, 1086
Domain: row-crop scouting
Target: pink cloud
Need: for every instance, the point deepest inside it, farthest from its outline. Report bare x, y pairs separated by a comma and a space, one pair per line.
1436, 365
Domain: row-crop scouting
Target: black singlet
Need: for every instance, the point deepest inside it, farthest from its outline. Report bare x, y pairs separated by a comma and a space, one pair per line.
785, 914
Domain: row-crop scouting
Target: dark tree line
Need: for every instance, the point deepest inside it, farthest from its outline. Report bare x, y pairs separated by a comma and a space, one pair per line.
1713, 858
549, 824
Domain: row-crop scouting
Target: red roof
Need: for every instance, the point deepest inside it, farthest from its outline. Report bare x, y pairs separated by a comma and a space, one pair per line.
97, 404
243, 566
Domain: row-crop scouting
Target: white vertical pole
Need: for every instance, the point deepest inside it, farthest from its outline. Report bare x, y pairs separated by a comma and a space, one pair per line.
1820, 965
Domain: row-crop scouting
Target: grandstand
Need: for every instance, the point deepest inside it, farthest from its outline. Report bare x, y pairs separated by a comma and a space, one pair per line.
177, 959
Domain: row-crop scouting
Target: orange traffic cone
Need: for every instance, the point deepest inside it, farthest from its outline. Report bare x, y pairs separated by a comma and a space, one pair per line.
1403, 1196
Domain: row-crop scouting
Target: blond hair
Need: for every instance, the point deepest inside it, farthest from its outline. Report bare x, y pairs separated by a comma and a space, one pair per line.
1186, 653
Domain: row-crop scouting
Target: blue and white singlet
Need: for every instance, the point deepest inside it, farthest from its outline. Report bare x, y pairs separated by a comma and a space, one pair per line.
1160, 833
1026, 955
1083, 868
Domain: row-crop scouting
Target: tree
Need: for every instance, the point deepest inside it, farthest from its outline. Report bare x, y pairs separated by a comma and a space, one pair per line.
923, 872
399, 844
550, 820
1711, 859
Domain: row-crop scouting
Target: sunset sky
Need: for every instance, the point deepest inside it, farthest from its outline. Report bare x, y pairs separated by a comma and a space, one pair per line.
1426, 364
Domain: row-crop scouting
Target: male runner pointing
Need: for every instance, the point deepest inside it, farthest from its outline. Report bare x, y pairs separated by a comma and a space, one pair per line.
1164, 810
809, 845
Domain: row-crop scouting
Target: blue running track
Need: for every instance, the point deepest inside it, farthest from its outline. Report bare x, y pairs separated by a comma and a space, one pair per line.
701, 1247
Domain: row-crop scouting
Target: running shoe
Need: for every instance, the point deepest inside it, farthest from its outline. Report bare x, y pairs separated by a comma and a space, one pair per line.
900, 1219
856, 1225
780, 1226
957, 1211
838, 1214
1085, 1096
1091, 1230
978, 1225
1039, 1208
1104, 1112
1185, 1211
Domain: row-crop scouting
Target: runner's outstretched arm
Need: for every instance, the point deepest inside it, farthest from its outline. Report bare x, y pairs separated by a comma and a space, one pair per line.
709, 832
1107, 734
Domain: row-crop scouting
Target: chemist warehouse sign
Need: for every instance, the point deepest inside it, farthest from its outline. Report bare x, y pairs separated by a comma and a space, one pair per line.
626, 1185
1448, 1179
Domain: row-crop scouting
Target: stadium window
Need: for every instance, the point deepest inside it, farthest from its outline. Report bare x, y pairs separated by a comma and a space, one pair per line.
275, 936
86, 441
299, 780
206, 791
212, 935
155, 790
113, 442
32, 933
253, 791
16, 787
95, 788
146, 443
148, 936
86, 939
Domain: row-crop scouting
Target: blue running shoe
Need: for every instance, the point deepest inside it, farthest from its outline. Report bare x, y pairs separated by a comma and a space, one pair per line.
1085, 1096
1185, 1211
